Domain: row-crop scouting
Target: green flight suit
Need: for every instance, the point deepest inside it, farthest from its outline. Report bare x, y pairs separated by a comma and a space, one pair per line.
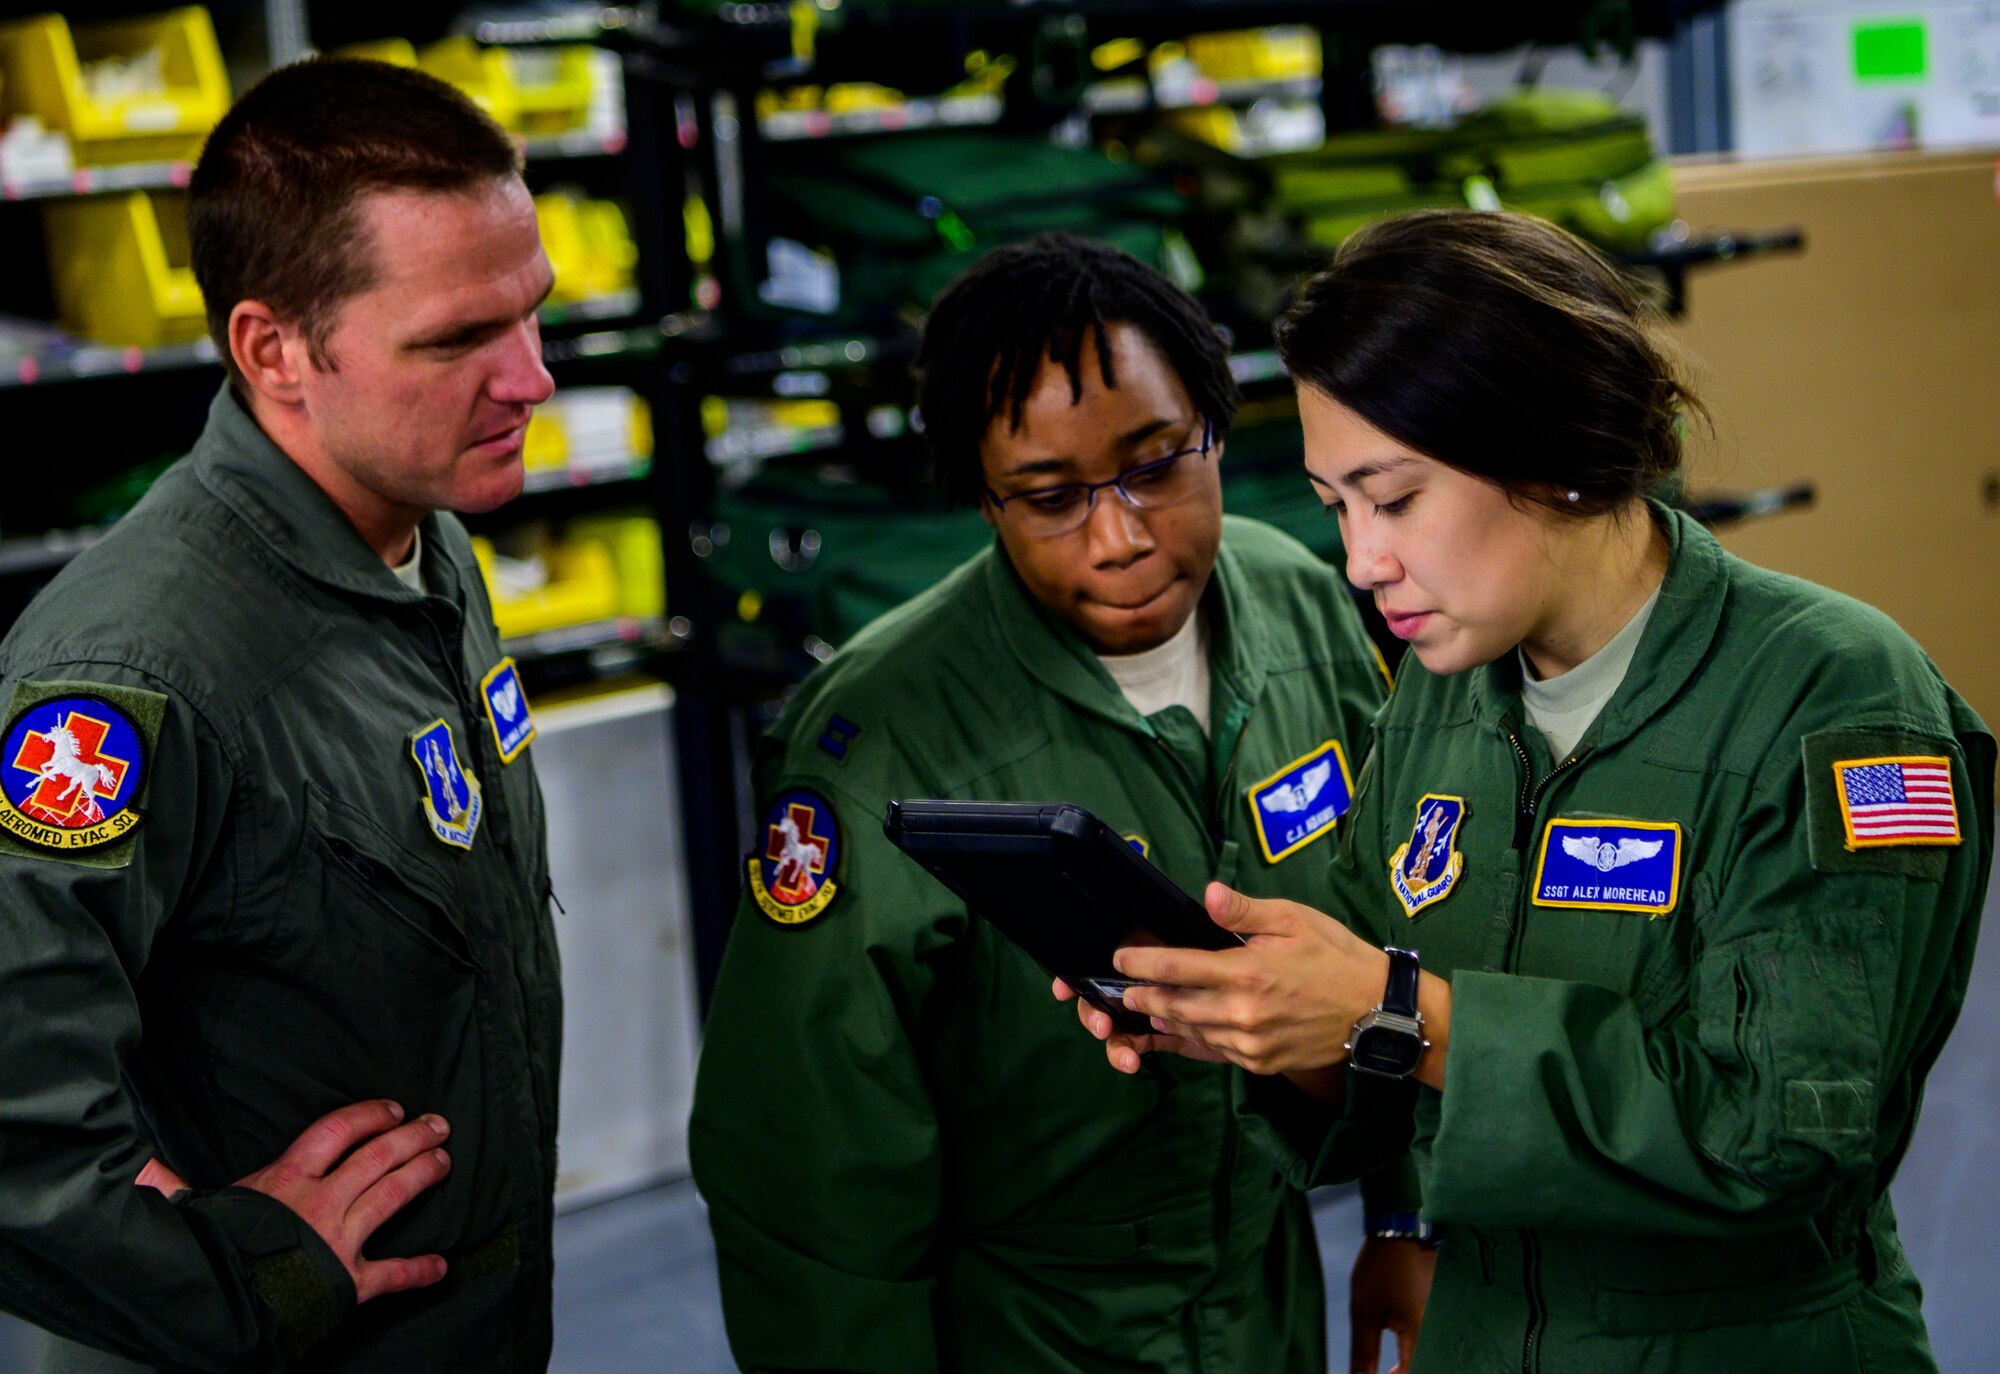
281, 935
1671, 1111
913, 1158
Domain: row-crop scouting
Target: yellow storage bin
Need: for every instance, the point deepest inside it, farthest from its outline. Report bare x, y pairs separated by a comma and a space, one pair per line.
397, 52
589, 245
633, 542
121, 269
133, 90
582, 587
534, 91
1282, 53
545, 447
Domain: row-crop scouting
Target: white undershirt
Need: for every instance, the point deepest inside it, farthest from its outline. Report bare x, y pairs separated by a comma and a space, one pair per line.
411, 571
1171, 674
1563, 707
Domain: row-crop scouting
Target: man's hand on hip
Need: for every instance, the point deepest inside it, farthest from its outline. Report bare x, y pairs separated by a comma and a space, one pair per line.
347, 1174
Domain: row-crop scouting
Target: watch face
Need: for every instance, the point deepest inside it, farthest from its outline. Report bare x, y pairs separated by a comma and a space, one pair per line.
1384, 1050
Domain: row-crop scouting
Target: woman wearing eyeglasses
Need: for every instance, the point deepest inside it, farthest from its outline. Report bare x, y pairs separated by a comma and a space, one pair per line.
910, 1164
1658, 897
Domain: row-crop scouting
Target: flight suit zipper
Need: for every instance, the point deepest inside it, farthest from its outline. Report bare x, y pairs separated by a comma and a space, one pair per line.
1218, 828
451, 655
1531, 1266
1526, 807
1531, 792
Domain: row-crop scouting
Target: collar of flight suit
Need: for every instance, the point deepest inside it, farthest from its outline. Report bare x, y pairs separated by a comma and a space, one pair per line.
1676, 640
274, 496
1057, 657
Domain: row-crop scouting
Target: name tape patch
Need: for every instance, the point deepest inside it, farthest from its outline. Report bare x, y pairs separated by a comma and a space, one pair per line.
1893, 801
1301, 801
1610, 865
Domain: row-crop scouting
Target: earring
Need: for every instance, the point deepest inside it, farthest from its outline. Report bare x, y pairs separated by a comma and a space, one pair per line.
1574, 495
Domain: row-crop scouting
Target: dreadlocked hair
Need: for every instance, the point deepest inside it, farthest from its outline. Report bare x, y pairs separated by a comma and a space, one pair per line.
991, 329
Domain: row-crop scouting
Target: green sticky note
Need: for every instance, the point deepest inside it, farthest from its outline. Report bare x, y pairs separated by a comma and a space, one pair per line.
1892, 51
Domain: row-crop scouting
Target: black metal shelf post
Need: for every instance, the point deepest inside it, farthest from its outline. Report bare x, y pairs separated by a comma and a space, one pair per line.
671, 134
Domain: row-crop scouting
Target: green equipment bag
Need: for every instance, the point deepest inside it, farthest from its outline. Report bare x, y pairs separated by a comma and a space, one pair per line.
903, 216
1354, 178
824, 558
1570, 156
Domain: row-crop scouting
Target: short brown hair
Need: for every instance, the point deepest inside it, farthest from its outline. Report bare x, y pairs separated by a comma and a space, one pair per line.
1499, 345
273, 206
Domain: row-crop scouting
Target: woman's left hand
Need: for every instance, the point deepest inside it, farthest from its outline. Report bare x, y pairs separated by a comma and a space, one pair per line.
1286, 1001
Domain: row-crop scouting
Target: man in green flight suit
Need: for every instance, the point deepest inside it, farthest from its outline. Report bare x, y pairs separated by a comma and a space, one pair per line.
910, 1163
278, 963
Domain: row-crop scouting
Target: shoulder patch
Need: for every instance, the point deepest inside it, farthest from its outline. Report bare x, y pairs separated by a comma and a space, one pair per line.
452, 800
73, 765
1880, 801
1301, 801
791, 875
1426, 868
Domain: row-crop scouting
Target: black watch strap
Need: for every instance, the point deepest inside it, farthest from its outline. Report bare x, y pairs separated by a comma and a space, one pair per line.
1400, 996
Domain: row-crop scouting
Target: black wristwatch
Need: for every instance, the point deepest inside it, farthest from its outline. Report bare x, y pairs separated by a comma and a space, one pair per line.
1389, 1041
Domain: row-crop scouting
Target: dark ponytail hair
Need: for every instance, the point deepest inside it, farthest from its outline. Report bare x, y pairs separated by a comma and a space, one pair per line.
1499, 345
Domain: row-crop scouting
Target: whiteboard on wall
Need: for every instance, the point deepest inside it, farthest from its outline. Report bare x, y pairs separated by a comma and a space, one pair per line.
1839, 76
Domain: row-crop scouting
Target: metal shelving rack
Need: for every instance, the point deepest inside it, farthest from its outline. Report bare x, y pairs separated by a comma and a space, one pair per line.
690, 93
587, 339
706, 75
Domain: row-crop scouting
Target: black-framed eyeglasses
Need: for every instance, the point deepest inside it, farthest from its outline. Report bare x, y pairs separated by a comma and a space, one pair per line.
1044, 512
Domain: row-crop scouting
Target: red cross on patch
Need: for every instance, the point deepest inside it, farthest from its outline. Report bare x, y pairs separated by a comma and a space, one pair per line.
798, 853
72, 779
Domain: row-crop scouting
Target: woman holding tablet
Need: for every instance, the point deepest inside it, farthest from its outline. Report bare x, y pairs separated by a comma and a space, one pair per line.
1658, 896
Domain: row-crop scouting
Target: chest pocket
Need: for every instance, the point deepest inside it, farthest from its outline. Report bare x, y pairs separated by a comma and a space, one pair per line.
366, 977
363, 986
377, 887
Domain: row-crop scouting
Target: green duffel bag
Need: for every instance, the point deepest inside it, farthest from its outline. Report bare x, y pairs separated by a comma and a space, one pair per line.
828, 558
903, 216
1569, 156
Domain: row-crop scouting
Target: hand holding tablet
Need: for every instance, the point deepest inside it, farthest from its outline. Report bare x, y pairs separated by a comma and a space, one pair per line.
1059, 883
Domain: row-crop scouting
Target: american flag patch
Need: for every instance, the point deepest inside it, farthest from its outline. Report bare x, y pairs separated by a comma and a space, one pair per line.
1896, 801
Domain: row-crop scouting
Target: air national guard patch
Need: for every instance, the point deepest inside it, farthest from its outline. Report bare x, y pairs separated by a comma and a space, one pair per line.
1599, 865
507, 710
1301, 801
452, 803
1427, 867
73, 767
791, 877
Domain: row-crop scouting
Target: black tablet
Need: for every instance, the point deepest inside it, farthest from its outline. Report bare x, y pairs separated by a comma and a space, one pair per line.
1059, 883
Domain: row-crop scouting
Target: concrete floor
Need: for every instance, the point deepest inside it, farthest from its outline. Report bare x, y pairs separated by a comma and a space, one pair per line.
635, 1279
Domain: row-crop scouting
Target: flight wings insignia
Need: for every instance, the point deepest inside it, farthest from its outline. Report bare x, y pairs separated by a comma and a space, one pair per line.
1605, 857
1301, 794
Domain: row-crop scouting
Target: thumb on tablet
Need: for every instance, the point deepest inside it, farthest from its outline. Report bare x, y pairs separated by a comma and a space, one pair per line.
1246, 916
